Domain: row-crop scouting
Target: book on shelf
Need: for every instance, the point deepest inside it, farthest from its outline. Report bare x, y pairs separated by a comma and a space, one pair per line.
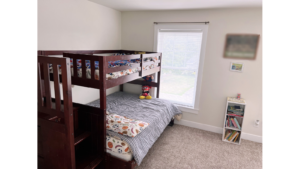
231, 114
235, 111
233, 133
233, 122
227, 134
239, 114
237, 123
237, 107
236, 137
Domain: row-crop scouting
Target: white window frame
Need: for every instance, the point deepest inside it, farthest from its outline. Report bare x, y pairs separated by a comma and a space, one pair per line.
187, 27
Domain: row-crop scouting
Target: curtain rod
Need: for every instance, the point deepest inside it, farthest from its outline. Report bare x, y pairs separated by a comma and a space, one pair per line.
206, 22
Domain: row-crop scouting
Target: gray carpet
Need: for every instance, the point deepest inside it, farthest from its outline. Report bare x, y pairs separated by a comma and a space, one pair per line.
181, 147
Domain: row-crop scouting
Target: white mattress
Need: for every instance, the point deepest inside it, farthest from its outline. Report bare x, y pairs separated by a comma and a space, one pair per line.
123, 156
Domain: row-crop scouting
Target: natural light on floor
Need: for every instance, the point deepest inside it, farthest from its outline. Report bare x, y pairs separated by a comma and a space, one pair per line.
181, 53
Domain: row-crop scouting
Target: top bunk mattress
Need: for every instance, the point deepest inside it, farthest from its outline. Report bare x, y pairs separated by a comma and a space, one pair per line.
157, 112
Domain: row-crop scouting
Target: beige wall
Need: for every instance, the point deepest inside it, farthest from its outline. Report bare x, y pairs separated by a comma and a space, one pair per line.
218, 82
84, 25
78, 25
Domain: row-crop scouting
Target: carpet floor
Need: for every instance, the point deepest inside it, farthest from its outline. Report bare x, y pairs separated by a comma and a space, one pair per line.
181, 147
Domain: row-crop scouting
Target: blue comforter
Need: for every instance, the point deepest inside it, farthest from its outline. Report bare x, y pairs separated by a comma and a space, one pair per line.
157, 112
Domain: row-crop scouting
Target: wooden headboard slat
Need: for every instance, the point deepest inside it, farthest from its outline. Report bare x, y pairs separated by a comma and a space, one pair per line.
56, 86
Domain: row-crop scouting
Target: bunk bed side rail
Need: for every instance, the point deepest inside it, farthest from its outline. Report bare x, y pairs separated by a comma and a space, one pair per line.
154, 70
106, 51
158, 77
151, 71
121, 57
135, 51
93, 81
60, 52
151, 55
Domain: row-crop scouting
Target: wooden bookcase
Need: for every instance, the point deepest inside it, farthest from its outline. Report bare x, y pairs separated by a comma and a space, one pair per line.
231, 108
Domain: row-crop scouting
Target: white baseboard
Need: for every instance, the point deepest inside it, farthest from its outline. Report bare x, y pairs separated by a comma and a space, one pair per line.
252, 137
199, 126
219, 130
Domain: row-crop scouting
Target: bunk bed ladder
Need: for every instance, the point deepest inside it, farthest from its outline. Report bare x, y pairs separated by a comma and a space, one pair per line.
55, 131
57, 140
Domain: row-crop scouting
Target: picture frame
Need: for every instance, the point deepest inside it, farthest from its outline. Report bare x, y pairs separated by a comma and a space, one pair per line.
241, 46
236, 66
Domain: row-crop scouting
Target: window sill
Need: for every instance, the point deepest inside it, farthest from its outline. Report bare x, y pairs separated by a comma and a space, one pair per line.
188, 109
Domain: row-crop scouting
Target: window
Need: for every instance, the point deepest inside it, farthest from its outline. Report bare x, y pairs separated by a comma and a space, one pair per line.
182, 48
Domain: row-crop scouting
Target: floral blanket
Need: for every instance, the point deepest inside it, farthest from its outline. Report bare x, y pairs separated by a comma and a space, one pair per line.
116, 145
124, 125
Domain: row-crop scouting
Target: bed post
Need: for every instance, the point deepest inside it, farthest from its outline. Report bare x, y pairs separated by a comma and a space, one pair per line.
102, 80
158, 77
141, 65
68, 106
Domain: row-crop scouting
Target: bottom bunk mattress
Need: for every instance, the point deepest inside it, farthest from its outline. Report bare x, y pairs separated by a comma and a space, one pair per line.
125, 157
118, 148
157, 112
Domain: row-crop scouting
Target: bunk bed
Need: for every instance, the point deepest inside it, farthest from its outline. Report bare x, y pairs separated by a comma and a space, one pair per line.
81, 129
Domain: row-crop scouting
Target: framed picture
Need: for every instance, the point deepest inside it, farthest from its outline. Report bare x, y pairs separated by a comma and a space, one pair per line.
241, 46
236, 67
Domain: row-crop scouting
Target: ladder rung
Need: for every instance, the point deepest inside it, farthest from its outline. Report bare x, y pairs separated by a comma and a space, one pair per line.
81, 137
94, 163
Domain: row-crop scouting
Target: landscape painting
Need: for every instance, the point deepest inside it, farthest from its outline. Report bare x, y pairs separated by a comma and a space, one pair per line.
241, 46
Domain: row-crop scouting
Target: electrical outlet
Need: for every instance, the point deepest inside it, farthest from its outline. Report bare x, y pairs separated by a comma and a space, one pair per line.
256, 123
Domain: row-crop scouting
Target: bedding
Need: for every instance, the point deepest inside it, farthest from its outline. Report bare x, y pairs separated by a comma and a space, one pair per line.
157, 112
124, 125
113, 143
126, 157
111, 64
116, 145
109, 76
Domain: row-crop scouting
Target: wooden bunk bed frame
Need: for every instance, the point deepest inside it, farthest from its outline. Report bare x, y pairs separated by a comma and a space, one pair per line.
62, 124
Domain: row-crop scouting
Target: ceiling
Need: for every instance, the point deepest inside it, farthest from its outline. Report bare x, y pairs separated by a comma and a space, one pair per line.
139, 5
